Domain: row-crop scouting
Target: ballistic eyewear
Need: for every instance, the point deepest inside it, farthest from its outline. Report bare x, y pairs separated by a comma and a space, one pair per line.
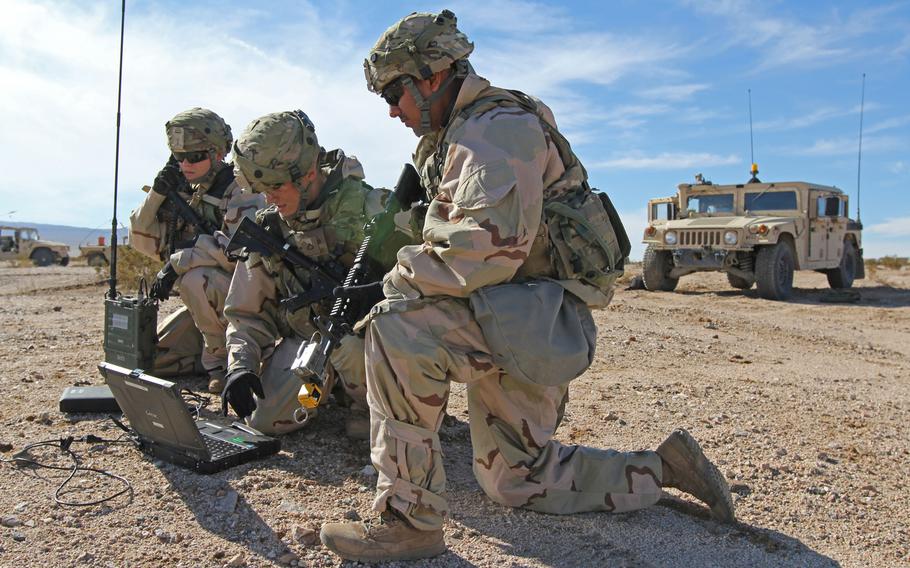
191, 157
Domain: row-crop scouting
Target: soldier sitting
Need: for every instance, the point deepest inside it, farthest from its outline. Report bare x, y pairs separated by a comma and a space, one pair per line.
319, 205
196, 264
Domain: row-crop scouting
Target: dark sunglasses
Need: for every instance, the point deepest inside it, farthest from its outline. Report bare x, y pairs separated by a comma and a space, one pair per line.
393, 92
191, 157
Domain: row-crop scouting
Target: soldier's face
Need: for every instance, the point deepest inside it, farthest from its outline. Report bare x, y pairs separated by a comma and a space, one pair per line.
286, 198
197, 170
406, 110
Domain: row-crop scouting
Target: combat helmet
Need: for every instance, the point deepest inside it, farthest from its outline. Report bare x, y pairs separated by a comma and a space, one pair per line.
275, 149
416, 47
198, 129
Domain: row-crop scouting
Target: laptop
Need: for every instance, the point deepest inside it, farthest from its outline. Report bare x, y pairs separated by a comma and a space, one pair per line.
166, 429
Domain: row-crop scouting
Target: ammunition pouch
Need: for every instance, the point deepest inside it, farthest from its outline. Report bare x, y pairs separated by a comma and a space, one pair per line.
587, 241
536, 330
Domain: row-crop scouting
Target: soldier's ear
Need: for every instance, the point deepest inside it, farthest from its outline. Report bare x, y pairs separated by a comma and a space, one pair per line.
436, 80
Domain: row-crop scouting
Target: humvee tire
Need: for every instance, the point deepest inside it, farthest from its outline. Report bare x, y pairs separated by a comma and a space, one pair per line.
843, 275
64, 261
774, 271
656, 267
42, 257
737, 282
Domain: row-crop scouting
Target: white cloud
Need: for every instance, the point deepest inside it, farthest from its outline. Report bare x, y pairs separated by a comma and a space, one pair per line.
842, 146
674, 92
667, 161
893, 227
888, 124
59, 69
899, 167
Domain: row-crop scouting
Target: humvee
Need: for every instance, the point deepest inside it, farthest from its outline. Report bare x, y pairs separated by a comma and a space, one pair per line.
25, 243
757, 233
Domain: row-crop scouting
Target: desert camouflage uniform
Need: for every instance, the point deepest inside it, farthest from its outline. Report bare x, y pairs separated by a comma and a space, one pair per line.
483, 227
333, 232
204, 273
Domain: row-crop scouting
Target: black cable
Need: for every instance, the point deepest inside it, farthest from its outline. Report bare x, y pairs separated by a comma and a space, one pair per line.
22, 458
195, 402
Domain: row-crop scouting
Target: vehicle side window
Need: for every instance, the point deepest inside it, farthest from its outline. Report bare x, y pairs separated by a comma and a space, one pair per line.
829, 206
662, 212
770, 201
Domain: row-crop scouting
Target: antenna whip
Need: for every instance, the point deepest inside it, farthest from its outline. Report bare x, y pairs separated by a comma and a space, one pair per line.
859, 158
112, 294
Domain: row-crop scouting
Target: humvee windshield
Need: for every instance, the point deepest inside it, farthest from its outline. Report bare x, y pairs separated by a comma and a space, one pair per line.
28, 235
770, 201
711, 204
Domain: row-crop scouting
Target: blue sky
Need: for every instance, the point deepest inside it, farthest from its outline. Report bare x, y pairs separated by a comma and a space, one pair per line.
649, 93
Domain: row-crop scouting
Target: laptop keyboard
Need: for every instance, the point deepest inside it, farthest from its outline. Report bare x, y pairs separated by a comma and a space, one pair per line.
219, 448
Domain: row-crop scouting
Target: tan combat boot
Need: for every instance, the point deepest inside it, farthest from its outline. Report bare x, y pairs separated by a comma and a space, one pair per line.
379, 540
686, 468
357, 425
216, 383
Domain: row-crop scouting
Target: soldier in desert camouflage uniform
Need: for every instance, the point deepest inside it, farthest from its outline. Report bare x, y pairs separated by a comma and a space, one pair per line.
489, 164
196, 264
319, 205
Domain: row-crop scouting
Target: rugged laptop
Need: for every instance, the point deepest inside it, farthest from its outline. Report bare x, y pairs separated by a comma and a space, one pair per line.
162, 421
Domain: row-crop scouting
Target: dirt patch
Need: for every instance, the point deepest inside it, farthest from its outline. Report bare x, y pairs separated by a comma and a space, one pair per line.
803, 404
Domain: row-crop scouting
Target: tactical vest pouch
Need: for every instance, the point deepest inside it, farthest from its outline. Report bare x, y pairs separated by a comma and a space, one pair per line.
587, 239
536, 330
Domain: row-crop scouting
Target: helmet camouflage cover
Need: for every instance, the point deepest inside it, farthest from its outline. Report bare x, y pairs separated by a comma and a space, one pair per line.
275, 149
198, 129
419, 45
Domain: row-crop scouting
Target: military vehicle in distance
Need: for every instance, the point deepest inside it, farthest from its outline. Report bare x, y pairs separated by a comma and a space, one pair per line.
100, 254
757, 233
25, 243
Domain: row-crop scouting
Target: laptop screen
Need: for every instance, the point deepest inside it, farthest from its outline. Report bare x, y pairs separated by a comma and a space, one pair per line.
155, 409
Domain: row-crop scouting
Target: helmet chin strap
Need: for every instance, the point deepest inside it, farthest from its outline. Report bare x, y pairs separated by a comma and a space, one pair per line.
424, 103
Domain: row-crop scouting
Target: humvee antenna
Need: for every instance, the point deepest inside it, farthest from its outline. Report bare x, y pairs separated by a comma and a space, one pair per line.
751, 143
113, 291
859, 158
753, 169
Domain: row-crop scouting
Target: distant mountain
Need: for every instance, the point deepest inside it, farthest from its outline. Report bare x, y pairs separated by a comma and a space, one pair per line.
71, 236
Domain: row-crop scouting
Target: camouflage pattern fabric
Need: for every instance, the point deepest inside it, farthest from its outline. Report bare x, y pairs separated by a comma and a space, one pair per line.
488, 176
180, 346
205, 272
257, 322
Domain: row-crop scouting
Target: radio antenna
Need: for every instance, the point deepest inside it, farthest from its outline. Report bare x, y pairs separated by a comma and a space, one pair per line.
113, 291
859, 158
753, 169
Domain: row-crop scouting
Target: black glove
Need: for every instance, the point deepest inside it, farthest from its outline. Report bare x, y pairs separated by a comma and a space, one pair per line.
238, 392
164, 282
363, 294
169, 178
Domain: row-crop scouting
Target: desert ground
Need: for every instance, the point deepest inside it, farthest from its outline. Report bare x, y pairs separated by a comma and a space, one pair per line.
805, 406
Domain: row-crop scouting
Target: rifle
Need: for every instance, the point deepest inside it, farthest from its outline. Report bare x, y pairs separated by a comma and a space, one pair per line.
372, 260
254, 238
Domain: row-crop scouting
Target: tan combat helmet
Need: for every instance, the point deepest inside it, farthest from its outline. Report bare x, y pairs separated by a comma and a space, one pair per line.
416, 47
199, 129
275, 149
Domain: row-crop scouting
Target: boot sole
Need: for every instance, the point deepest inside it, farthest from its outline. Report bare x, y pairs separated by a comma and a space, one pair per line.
714, 481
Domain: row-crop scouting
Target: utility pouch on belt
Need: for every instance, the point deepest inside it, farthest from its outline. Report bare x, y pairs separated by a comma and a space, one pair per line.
536, 330
587, 238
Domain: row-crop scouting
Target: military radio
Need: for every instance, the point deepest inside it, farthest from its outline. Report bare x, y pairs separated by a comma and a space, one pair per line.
130, 336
